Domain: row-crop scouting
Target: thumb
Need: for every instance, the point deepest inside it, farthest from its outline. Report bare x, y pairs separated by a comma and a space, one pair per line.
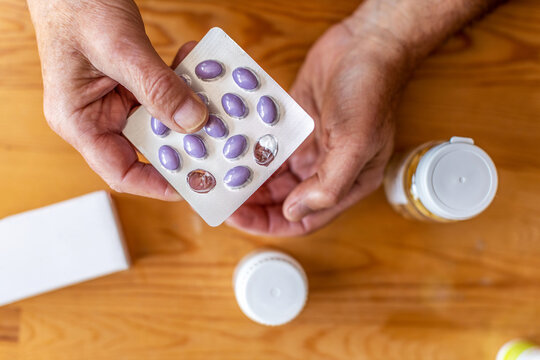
137, 66
333, 179
344, 149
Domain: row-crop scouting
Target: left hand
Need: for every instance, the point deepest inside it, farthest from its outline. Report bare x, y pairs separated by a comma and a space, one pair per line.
350, 86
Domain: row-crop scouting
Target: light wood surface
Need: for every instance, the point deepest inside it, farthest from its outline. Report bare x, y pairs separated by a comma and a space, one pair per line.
381, 287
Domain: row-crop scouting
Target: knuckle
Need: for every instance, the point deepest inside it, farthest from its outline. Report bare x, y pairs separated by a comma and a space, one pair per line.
55, 116
120, 46
328, 197
332, 189
50, 114
158, 87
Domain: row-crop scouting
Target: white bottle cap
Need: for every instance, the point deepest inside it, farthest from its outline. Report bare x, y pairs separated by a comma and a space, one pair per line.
270, 287
455, 180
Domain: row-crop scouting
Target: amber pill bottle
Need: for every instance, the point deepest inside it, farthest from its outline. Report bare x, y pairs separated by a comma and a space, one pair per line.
441, 181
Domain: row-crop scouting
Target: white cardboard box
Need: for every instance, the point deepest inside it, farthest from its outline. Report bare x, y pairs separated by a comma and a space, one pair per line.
60, 245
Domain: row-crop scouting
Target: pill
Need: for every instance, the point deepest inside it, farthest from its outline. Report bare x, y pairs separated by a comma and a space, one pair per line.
265, 150
245, 78
201, 181
237, 176
194, 146
203, 98
234, 105
215, 127
158, 128
235, 146
169, 158
267, 109
209, 70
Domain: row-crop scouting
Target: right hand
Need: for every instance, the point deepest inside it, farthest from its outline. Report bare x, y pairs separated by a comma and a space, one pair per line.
352, 101
97, 65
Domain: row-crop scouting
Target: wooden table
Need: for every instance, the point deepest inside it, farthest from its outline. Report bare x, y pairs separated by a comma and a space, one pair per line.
381, 287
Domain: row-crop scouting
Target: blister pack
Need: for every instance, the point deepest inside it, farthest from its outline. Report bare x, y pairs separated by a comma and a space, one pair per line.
253, 128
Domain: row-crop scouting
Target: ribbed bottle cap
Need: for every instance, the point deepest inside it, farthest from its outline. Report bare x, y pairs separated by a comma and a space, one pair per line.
270, 287
455, 180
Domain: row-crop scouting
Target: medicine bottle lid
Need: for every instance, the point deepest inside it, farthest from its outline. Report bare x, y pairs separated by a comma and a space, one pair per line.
270, 287
455, 180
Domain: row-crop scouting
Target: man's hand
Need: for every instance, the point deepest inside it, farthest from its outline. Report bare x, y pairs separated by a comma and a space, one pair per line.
350, 84
97, 65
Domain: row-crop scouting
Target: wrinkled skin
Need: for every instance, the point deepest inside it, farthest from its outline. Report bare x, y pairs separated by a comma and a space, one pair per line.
350, 87
97, 65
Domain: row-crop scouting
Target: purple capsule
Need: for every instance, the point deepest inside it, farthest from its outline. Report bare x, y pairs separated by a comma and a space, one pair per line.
194, 146
169, 158
158, 128
245, 78
215, 127
209, 69
234, 105
237, 176
267, 109
235, 146
201, 181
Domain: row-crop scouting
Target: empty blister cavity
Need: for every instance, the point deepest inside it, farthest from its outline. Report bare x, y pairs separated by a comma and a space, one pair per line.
201, 181
209, 70
215, 127
234, 105
194, 146
158, 128
267, 109
265, 150
169, 158
186, 79
234, 147
203, 98
237, 177
245, 78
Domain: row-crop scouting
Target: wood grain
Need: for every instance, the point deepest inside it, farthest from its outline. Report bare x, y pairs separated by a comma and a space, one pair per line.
382, 287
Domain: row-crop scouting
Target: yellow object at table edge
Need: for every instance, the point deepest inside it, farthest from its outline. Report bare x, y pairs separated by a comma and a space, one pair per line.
515, 350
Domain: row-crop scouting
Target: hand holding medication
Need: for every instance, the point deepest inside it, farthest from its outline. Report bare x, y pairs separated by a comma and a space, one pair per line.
351, 99
253, 128
350, 83
97, 65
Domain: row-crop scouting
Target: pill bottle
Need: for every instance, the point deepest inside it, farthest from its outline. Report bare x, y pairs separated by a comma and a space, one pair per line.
441, 181
519, 350
270, 287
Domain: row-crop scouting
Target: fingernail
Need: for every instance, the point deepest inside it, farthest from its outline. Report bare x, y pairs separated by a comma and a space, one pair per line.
192, 115
297, 211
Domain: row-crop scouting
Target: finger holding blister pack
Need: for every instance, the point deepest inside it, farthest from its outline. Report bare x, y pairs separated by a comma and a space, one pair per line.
253, 128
